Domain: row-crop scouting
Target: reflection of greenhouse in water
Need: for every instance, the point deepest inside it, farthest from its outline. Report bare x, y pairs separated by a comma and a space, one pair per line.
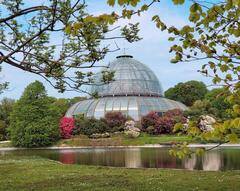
214, 160
135, 91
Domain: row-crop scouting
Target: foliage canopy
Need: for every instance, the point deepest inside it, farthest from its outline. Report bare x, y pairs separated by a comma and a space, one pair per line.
187, 92
32, 122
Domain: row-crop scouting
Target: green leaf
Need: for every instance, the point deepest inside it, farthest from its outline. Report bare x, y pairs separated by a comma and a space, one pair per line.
232, 138
68, 29
200, 151
211, 64
178, 2
224, 68
122, 2
195, 7
216, 79
177, 127
134, 2
229, 77
174, 61
144, 8
111, 2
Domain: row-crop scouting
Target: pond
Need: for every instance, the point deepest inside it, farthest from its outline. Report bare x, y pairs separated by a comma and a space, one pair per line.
214, 160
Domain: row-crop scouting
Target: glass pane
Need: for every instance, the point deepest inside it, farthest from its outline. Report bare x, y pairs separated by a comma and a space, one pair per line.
116, 104
100, 109
124, 104
109, 104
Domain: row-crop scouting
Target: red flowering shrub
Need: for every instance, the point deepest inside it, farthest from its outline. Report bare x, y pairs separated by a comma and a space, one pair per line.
66, 127
149, 120
177, 115
166, 123
152, 123
115, 119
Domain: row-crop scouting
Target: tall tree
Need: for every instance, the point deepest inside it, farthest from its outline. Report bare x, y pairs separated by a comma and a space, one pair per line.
187, 92
6, 106
32, 122
217, 98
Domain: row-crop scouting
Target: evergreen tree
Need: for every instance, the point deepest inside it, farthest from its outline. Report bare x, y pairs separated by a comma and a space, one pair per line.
32, 122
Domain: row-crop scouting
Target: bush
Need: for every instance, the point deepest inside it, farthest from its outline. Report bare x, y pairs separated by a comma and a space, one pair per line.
79, 123
150, 130
177, 115
89, 126
152, 123
165, 124
32, 124
149, 120
115, 120
200, 107
66, 127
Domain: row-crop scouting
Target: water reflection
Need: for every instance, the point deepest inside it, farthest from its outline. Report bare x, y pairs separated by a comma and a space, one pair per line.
190, 163
133, 158
221, 159
67, 157
212, 161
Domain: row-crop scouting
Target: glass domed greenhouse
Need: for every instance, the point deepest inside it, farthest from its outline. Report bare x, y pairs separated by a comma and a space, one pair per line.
135, 91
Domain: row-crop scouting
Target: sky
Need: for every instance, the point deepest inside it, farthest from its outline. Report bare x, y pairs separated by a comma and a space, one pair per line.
152, 50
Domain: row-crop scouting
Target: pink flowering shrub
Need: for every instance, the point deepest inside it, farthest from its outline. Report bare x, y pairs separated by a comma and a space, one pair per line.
115, 119
66, 127
149, 120
154, 124
177, 115
164, 125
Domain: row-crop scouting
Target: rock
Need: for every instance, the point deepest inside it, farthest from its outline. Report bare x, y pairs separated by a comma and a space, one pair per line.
130, 130
117, 132
185, 125
132, 134
135, 129
206, 122
99, 135
130, 125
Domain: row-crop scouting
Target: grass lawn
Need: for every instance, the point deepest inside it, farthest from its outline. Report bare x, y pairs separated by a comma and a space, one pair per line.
41, 174
121, 140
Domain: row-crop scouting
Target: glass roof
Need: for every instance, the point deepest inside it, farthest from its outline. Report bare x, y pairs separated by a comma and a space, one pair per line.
135, 91
134, 106
131, 78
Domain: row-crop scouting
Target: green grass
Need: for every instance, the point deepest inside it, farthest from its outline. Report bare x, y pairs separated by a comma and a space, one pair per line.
121, 140
41, 174
161, 139
118, 140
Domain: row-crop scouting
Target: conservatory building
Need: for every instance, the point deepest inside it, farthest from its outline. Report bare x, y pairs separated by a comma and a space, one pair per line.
135, 91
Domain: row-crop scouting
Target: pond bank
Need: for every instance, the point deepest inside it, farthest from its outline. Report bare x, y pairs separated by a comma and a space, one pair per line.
133, 146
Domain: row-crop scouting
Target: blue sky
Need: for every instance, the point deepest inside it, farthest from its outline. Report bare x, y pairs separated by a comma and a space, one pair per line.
152, 50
